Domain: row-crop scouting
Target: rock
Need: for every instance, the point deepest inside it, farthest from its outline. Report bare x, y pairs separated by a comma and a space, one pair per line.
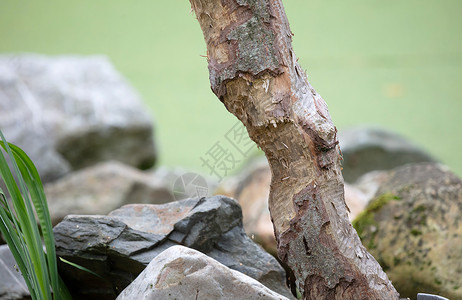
102, 188
184, 273
370, 182
70, 112
251, 188
423, 296
120, 245
414, 229
368, 149
357, 200
12, 284
358, 194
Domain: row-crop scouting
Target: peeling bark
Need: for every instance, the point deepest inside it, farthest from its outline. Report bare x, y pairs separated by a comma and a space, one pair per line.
254, 72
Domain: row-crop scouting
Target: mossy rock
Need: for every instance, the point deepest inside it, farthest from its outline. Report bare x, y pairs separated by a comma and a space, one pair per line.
413, 227
365, 223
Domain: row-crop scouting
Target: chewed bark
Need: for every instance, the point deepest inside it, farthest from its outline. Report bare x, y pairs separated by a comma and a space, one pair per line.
254, 72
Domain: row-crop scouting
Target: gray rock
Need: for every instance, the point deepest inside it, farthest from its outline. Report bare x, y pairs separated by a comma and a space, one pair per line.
102, 188
120, 245
414, 229
12, 284
184, 273
368, 149
422, 296
251, 187
69, 112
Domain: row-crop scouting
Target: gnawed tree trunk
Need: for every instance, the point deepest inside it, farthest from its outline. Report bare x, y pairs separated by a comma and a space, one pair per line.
254, 72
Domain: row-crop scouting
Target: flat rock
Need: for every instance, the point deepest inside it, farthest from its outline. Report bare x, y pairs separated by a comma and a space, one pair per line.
413, 228
120, 245
70, 112
368, 149
12, 284
102, 188
184, 273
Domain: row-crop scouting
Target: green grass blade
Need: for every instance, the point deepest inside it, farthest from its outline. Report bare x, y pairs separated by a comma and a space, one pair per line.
63, 291
32, 235
79, 267
37, 271
12, 230
19, 226
4, 204
12, 239
33, 181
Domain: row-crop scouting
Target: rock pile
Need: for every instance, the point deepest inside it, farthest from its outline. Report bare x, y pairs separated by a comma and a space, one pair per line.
120, 245
87, 132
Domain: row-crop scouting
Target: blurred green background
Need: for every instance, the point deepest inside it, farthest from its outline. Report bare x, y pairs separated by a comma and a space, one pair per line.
396, 63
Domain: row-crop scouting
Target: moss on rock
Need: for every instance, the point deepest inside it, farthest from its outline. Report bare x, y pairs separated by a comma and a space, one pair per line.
365, 221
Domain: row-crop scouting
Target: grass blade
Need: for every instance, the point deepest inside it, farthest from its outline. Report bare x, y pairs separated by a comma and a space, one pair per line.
79, 267
19, 226
15, 231
12, 238
38, 198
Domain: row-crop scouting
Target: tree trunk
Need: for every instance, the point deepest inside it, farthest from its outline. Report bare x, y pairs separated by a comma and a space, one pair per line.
254, 72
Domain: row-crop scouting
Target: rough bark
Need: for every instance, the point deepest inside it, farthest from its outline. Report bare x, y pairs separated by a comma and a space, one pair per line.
254, 72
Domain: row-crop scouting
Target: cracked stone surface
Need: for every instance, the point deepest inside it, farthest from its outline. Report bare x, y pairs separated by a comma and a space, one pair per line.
118, 246
184, 273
